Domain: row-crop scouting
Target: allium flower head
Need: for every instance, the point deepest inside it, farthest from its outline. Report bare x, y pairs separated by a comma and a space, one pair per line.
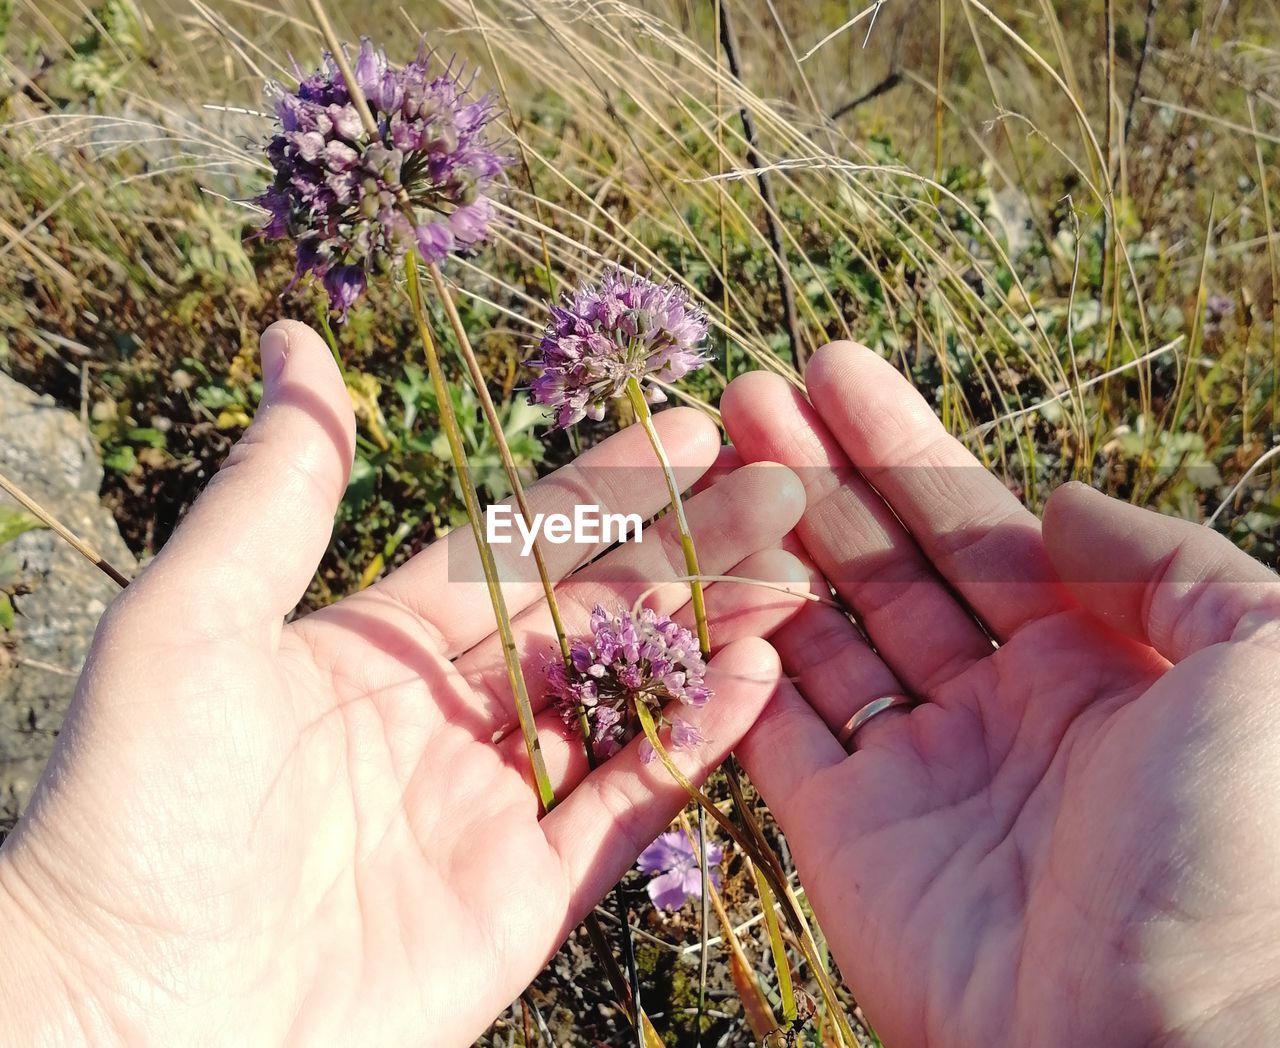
629, 659
603, 334
334, 191
678, 878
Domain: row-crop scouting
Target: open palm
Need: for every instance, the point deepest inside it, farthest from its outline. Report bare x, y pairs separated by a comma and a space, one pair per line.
1072, 839
325, 832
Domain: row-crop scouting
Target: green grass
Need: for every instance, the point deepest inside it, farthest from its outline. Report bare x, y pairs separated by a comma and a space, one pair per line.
1080, 276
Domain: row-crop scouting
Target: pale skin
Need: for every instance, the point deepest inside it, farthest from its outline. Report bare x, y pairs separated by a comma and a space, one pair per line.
258, 833
265, 833
1073, 840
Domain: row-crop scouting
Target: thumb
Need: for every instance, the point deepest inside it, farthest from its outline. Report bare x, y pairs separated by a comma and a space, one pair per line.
245, 553
1176, 585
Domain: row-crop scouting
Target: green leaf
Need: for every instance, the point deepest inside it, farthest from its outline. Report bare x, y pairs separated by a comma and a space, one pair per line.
121, 460
15, 522
6, 612
146, 435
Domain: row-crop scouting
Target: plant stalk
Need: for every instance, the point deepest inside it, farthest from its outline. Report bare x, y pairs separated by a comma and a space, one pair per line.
63, 532
449, 423
630, 999
647, 1037
755, 1006
504, 450
779, 949
645, 417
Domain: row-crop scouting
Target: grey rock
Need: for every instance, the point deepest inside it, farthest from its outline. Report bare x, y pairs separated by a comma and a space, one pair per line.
46, 451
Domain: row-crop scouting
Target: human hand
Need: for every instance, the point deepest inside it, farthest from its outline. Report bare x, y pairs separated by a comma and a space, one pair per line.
325, 831
1072, 840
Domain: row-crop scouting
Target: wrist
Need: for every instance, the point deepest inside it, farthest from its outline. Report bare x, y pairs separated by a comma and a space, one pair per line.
49, 995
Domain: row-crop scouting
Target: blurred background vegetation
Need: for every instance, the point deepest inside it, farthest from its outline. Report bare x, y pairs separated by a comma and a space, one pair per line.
1058, 217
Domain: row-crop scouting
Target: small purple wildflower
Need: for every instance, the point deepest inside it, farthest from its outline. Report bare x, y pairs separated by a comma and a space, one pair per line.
1217, 308
673, 860
630, 658
603, 334
334, 191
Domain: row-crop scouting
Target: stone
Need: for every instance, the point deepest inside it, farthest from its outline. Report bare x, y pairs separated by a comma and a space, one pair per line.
47, 452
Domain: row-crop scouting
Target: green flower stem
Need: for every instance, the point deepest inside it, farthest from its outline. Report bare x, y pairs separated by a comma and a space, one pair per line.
628, 994
645, 417
504, 450
767, 865
322, 318
449, 423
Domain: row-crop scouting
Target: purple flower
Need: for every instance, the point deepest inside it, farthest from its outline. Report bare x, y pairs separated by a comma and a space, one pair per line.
336, 188
630, 658
1217, 308
603, 334
672, 858
345, 284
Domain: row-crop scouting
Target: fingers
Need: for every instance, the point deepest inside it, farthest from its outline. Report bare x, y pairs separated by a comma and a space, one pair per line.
748, 511
835, 669
245, 553
444, 584
976, 533
1176, 585
603, 825
917, 625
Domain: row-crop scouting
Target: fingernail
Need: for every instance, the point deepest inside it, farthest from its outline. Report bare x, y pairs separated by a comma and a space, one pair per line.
274, 351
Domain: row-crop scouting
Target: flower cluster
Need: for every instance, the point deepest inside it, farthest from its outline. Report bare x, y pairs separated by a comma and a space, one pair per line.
604, 334
674, 864
336, 188
630, 659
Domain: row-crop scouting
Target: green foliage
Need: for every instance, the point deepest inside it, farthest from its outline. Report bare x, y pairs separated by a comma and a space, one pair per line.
109, 35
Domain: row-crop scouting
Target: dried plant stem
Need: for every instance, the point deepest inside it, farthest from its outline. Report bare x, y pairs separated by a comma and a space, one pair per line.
760, 1016
704, 917
645, 417
449, 423
771, 213
496, 66
344, 66
63, 532
770, 869
785, 990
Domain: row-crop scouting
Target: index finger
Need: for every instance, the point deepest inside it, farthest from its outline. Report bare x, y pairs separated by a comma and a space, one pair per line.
973, 529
